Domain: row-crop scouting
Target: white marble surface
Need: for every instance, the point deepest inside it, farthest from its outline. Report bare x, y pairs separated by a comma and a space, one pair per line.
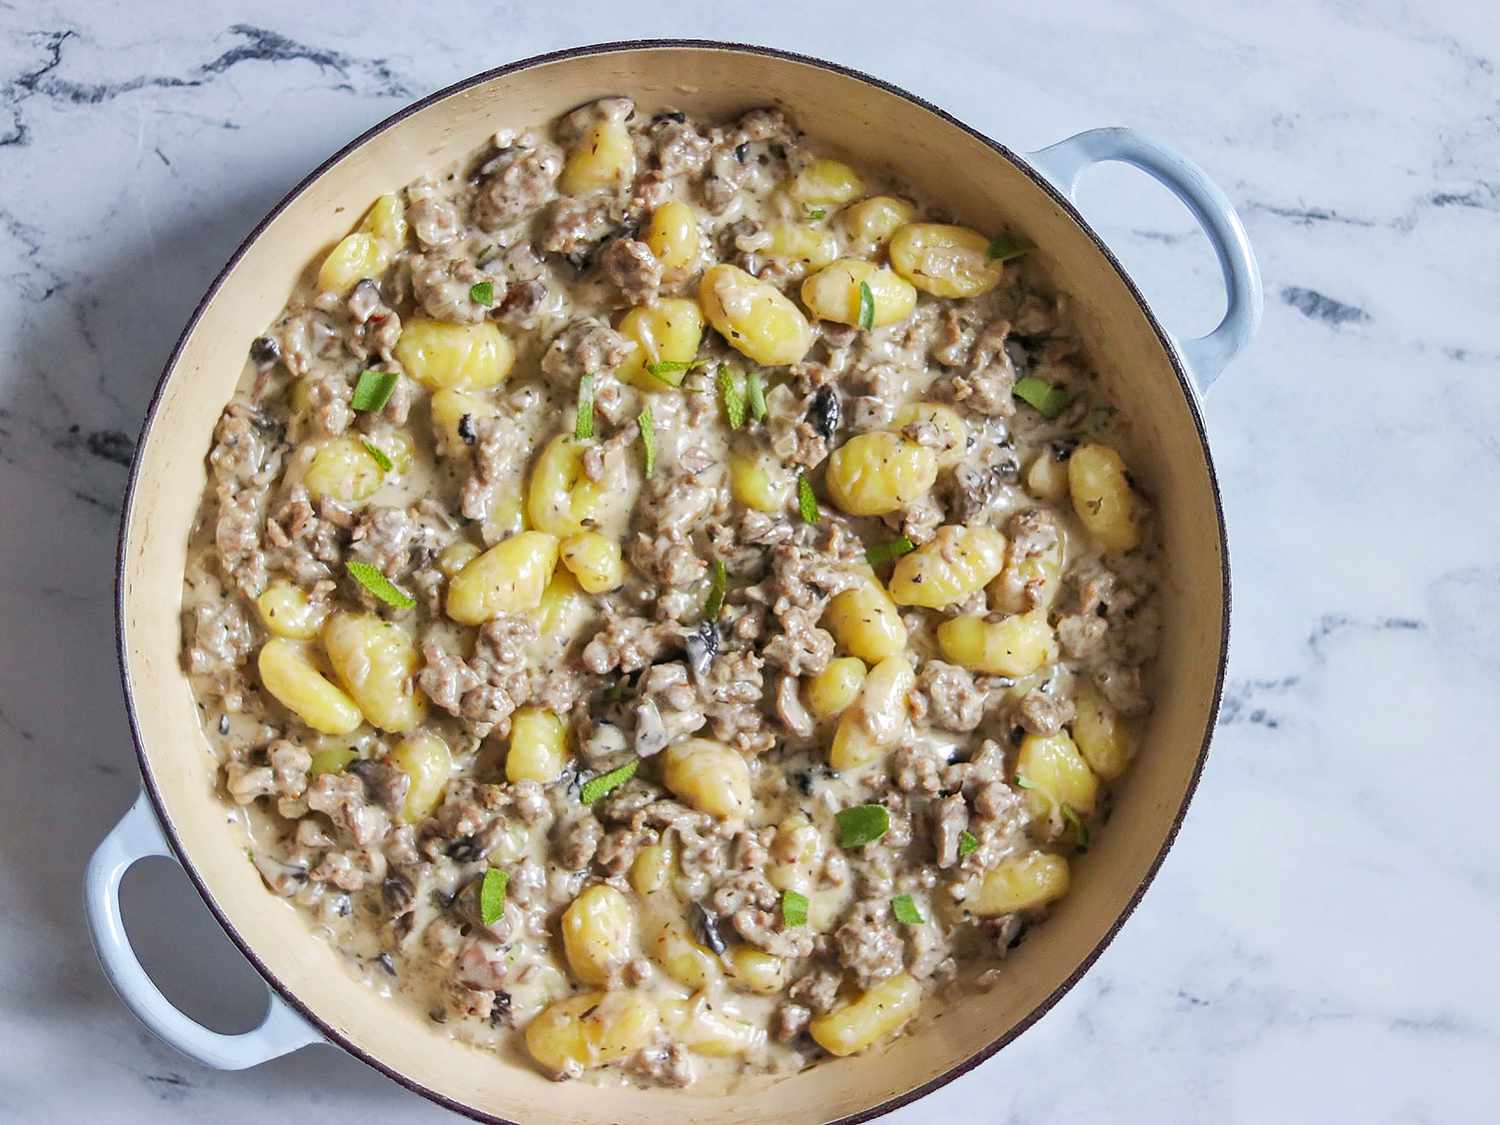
1322, 943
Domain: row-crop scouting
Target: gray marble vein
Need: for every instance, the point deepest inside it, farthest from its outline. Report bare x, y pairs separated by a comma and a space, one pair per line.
1321, 943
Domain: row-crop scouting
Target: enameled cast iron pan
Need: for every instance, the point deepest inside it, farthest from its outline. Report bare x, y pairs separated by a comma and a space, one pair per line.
1154, 377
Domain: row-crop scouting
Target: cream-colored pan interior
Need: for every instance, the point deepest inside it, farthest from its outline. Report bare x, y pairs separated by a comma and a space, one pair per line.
873, 125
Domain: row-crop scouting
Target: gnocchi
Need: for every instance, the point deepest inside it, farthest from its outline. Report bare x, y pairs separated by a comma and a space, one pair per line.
376, 663
673, 235
1102, 497
1017, 645
511, 577
440, 355
666, 336
598, 932
290, 673
709, 776
944, 260
860, 294
756, 318
878, 1013
878, 472
956, 563
538, 748
561, 499
877, 719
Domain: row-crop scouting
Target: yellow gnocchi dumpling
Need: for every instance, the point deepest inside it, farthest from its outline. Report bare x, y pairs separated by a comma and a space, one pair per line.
755, 317
801, 246
1014, 646
944, 424
1031, 582
653, 867
835, 293
1022, 883
1054, 774
878, 472
709, 1031
343, 469
945, 260
425, 759
829, 692
377, 663
798, 853
538, 746
876, 1014
673, 235
286, 611
1102, 497
757, 971
561, 499
438, 354
510, 577
564, 609
876, 720
870, 223
709, 776
758, 480
369, 251
595, 561
289, 673
864, 621
592, 1029
826, 181
356, 257
1104, 738
598, 931
449, 409
667, 332
681, 956
954, 564
603, 156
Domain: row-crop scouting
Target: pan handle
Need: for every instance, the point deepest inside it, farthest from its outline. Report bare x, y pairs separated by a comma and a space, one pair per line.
136, 837
1206, 356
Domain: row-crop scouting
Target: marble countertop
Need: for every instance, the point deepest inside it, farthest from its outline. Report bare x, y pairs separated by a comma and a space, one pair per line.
1320, 945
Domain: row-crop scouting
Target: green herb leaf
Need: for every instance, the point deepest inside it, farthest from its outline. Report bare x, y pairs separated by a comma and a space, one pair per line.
378, 584
667, 367
482, 293
734, 398
793, 908
816, 212
647, 422
373, 390
1046, 399
1006, 247
717, 587
906, 911
885, 552
379, 454
755, 391
807, 502
1024, 782
616, 691
866, 306
862, 824
492, 895
968, 843
1079, 826
598, 786
583, 425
